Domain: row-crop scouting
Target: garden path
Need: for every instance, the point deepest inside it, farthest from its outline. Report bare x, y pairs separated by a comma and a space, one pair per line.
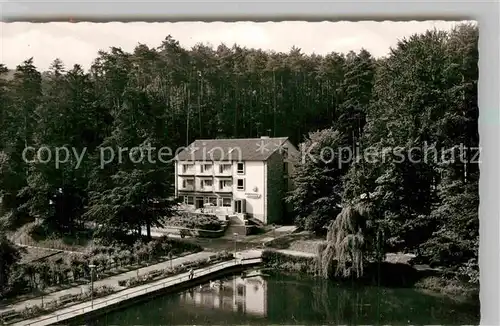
110, 281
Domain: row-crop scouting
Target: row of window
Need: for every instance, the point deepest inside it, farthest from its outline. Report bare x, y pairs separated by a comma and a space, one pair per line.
223, 168
207, 183
221, 202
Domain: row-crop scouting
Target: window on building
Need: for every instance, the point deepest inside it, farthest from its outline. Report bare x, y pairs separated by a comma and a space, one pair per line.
225, 184
285, 167
210, 200
240, 290
205, 168
241, 184
206, 183
189, 200
240, 169
239, 206
187, 183
284, 152
224, 168
186, 167
226, 202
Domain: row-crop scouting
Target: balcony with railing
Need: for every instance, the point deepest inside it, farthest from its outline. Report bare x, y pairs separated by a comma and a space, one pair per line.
224, 185
205, 185
205, 169
224, 169
186, 184
186, 169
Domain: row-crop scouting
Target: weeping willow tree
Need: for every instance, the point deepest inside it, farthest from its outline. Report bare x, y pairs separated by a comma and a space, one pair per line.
346, 242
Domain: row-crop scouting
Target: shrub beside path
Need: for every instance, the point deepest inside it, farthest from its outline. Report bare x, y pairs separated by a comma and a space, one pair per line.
110, 281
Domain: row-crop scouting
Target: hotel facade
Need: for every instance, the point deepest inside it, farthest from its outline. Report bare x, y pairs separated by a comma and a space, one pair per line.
247, 177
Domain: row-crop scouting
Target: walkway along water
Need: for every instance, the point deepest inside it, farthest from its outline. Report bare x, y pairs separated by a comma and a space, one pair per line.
132, 295
111, 281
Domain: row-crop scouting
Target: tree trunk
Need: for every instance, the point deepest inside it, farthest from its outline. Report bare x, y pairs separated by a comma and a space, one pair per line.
148, 229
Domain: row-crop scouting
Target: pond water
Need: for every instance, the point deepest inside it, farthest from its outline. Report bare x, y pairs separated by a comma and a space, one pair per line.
285, 299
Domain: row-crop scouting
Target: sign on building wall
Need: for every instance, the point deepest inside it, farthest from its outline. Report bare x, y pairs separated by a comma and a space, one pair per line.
252, 195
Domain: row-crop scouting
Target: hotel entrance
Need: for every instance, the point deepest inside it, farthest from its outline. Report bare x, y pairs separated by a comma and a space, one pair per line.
239, 206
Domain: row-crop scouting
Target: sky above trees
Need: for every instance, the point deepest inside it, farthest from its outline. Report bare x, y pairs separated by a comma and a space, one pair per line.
79, 42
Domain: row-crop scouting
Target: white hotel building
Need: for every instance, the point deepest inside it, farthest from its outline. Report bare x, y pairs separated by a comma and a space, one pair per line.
244, 177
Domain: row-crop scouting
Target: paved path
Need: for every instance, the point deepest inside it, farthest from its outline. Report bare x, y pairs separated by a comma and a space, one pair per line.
286, 229
85, 307
113, 280
246, 255
249, 254
110, 281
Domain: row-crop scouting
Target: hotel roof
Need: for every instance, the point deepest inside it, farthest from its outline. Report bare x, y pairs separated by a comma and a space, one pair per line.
244, 149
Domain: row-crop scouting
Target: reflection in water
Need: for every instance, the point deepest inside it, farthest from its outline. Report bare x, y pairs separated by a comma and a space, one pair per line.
291, 300
244, 295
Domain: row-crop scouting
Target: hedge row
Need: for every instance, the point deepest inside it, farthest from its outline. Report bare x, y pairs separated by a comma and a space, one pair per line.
195, 221
288, 263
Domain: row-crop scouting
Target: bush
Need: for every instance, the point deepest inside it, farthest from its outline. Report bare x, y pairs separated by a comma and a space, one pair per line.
288, 263
470, 271
177, 247
123, 257
452, 287
195, 221
96, 250
32, 311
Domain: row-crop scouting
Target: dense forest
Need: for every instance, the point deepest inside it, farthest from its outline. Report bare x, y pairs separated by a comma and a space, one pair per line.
423, 92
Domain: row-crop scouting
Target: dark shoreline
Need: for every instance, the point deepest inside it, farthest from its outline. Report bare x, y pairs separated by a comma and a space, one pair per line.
386, 274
